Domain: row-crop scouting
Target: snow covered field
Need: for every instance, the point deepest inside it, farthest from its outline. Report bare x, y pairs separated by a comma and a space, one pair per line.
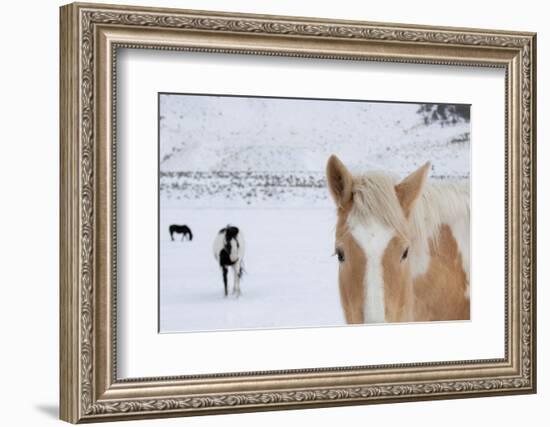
290, 279
259, 164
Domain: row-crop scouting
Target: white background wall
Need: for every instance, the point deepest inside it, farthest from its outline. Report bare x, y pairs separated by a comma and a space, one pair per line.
29, 170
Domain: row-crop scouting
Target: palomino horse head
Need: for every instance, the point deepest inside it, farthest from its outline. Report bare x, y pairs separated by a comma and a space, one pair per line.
374, 236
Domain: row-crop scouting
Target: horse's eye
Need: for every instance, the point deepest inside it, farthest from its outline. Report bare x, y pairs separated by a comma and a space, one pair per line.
405, 254
340, 255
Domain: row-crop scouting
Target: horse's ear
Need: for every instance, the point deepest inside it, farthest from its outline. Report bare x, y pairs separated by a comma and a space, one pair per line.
340, 181
409, 190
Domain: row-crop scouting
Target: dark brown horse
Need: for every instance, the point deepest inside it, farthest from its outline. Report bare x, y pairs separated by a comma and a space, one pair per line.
184, 230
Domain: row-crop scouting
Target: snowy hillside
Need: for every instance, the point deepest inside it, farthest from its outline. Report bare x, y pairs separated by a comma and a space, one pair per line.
236, 151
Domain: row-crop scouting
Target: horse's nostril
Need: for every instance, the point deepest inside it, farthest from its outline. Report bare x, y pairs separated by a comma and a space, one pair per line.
405, 254
340, 255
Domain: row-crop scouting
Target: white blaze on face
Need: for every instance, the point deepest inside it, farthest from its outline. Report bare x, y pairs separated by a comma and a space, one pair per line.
373, 239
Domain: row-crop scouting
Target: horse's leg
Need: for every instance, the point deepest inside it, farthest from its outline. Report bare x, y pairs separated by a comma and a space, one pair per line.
172, 235
224, 271
236, 278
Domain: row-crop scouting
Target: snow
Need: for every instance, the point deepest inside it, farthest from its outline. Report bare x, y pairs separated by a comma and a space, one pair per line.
214, 133
259, 164
290, 274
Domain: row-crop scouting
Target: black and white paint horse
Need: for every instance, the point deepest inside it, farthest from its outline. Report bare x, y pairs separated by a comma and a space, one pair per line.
229, 252
180, 229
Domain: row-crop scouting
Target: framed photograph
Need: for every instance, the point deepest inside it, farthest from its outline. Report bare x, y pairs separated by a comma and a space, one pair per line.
266, 212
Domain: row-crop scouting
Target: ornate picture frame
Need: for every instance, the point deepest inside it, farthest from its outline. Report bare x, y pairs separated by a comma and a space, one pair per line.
91, 34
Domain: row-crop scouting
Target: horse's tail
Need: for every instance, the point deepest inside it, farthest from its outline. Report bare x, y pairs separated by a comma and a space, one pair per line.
241, 269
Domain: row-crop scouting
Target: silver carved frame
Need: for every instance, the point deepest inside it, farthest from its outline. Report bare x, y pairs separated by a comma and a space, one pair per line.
90, 36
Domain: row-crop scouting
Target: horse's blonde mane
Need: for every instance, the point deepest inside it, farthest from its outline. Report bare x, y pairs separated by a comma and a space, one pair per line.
441, 202
374, 198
